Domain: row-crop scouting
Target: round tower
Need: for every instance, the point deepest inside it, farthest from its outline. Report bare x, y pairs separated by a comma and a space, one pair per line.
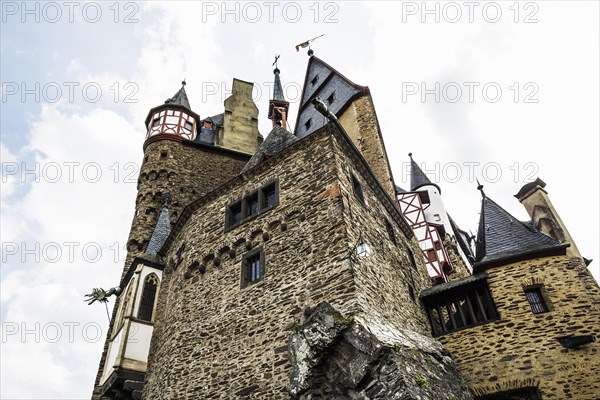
164, 168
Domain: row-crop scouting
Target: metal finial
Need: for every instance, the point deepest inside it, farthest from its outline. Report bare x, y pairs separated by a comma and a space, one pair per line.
183, 82
410, 155
480, 187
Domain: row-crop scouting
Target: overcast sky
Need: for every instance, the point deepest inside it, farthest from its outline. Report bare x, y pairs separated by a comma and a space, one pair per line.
504, 92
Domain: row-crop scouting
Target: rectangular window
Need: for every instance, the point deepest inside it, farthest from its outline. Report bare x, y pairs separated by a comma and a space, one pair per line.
269, 194
536, 300
463, 307
156, 122
234, 214
164, 154
187, 125
357, 188
253, 268
251, 204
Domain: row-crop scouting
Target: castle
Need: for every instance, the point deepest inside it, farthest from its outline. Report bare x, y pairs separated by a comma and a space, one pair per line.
294, 267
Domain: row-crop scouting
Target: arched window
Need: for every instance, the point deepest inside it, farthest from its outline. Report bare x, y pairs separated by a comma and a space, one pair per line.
148, 296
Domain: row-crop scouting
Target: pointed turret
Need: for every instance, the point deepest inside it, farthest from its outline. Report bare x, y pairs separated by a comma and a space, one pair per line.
173, 120
502, 239
418, 177
180, 98
278, 107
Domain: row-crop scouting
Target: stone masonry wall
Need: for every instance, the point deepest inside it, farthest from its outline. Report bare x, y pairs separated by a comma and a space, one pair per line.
520, 349
360, 122
387, 283
213, 339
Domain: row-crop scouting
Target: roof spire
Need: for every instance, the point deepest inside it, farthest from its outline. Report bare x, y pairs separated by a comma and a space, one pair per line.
180, 98
418, 177
480, 188
278, 107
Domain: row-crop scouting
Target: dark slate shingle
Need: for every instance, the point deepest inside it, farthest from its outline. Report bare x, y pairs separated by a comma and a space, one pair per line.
275, 142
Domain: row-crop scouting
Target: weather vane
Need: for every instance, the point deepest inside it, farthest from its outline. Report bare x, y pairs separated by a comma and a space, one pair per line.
307, 44
276, 58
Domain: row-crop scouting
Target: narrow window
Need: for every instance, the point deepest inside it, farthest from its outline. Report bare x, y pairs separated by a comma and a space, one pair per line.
252, 204
156, 122
148, 296
390, 231
357, 188
314, 80
163, 154
536, 300
331, 98
269, 194
411, 258
234, 214
437, 245
252, 268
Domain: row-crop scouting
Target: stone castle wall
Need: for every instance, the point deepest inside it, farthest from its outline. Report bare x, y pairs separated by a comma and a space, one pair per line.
520, 349
213, 339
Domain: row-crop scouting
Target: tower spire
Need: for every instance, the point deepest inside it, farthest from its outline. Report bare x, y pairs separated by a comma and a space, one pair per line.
418, 177
278, 107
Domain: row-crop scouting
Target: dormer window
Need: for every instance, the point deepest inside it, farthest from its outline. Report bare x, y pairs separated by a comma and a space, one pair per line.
331, 98
308, 123
314, 80
208, 125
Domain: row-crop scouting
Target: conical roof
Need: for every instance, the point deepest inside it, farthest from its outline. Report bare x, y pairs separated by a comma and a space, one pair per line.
277, 88
180, 98
418, 177
502, 238
277, 140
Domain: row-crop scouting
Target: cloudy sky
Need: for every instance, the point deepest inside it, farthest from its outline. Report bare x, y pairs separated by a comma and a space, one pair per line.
504, 92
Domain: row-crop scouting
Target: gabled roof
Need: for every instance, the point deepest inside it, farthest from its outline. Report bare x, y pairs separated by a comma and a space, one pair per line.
180, 98
418, 177
323, 80
275, 142
502, 239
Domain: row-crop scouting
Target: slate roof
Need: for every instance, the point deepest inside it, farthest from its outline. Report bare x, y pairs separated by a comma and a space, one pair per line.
160, 234
180, 98
399, 190
275, 142
463, 238
216, 119
277, 89
324, 81
447, 286
418, 177
502, 238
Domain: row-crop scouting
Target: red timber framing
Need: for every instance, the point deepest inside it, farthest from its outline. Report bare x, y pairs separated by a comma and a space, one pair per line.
430, 241
172, 122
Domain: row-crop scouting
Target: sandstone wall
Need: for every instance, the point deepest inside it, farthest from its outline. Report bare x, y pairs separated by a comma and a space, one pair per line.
520, 349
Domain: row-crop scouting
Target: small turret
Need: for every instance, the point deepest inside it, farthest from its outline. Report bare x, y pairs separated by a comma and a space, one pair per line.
174, 120
278, 107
